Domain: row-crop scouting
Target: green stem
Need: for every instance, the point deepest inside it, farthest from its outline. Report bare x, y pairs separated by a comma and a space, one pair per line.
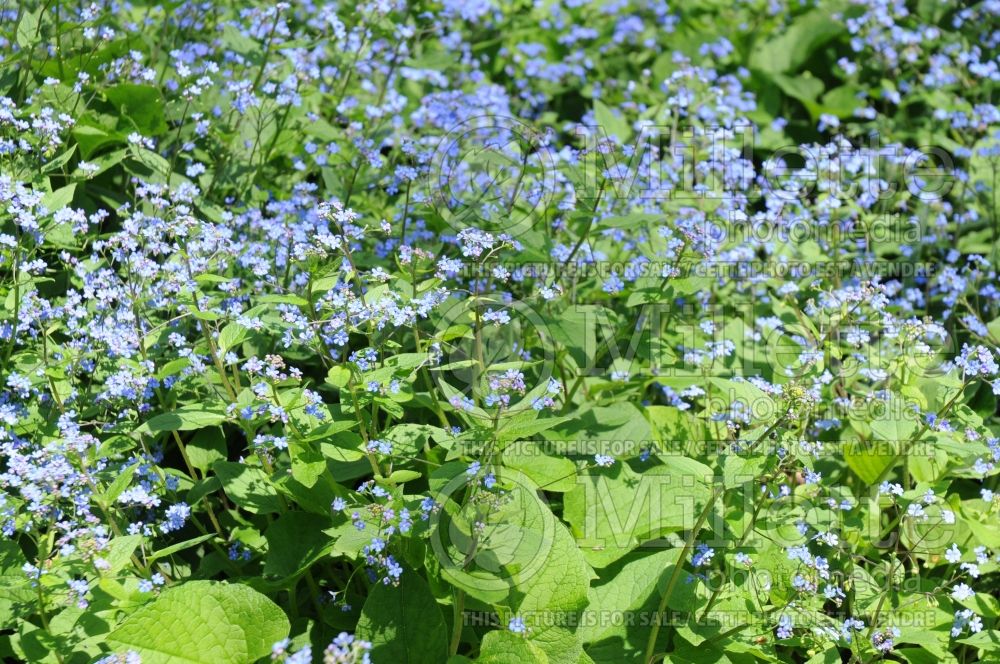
678, 566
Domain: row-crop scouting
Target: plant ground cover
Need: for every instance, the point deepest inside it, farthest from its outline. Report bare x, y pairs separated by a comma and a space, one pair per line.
496, 331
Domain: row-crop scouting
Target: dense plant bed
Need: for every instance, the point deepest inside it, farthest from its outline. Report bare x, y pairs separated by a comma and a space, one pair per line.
499, 332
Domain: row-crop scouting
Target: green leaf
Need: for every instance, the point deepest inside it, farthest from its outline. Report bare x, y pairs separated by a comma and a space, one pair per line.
897, 428
248, 487
502, 647
211, 278
631, 221
294, 542
231, 335
614, 125
525, 425
151, 163
173, 367
410, 439
15, 589
830, 656
338, 376
841, 101
789, 51
27, 28
513, 539
870, 459
988, 640
91, 138
574, 329
189, 418
202, 488
745, 392
404, 623
142, 104
553, 594
203, 622
739, 469
103, 162
283, 299
705, 653
619, 429
403, 476
805, 88
628, 585
550, 473
180, 546
993, 327
57, 162
308, 463
205, 315
120, 483
59, 198
206, 447
613, 510
120, 551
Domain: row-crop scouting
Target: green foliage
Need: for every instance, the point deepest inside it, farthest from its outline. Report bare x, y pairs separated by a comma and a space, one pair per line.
499, 332
203, 621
